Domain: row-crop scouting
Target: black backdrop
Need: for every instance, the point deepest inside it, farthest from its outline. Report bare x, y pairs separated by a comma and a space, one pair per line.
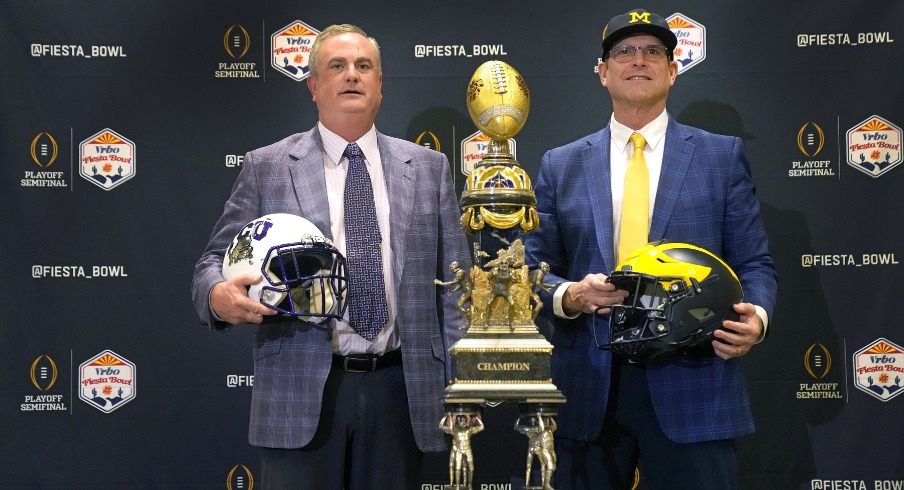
90, 268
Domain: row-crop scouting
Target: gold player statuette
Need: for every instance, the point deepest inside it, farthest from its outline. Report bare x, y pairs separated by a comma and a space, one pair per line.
462, 282
540, 444
461, 426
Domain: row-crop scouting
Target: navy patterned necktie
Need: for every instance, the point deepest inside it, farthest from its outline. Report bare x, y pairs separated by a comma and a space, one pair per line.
367, 311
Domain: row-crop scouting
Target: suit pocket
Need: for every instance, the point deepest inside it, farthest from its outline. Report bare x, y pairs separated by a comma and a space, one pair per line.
268, 340
697, 207
423, 227
438, 347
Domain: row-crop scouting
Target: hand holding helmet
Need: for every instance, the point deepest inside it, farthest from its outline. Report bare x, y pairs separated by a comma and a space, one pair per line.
592, 294
288, 267
736, 339
230, 302
678, 296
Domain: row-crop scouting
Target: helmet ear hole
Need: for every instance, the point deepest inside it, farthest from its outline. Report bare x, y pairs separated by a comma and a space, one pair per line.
702, 314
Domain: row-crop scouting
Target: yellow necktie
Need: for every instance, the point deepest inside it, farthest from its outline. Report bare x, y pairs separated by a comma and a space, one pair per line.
635, 213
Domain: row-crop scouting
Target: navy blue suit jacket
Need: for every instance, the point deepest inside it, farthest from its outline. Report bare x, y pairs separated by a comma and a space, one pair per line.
705, 197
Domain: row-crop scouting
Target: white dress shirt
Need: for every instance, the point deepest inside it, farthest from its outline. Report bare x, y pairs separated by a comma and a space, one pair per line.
620, 151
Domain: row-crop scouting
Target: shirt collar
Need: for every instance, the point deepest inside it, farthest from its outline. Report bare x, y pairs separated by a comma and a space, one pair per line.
653, 133
334, 145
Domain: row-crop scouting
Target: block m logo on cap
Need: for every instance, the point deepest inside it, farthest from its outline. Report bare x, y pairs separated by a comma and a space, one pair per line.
639, 17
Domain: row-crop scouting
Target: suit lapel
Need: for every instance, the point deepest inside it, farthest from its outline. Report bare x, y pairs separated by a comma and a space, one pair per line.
595, 162
309, 180
676, 160
398, 172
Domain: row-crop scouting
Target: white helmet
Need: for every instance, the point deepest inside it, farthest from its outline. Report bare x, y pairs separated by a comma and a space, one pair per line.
304, 274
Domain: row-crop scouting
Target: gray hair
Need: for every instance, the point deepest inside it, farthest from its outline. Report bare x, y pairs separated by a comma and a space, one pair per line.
335, 30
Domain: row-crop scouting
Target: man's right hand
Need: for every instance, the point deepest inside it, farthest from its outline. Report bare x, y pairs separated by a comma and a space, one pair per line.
590, 293
229, 300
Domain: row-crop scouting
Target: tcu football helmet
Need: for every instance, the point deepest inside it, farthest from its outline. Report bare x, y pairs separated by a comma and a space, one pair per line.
304, 274
679, 294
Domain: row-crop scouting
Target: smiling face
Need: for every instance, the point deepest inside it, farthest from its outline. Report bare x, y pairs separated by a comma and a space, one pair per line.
347, 84
638, 86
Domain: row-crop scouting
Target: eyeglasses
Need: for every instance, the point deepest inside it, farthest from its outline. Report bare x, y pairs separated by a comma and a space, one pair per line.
651, 53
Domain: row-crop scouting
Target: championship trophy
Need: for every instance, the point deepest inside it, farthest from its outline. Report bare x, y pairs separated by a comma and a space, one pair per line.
502, 357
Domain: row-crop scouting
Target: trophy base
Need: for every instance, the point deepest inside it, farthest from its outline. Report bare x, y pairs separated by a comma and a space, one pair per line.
532, 393
494, 366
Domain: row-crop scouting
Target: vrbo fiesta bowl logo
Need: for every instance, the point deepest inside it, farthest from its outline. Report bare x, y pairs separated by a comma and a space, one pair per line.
874, 146
879, 369
290, 49
107, 159
691, 48
107, 381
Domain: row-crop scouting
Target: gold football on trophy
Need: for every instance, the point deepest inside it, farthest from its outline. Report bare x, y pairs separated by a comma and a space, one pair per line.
498, 100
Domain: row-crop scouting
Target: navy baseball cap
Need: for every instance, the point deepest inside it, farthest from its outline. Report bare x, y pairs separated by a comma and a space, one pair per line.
637, 21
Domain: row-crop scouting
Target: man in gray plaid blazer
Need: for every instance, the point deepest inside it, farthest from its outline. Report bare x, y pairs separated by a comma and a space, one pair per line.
330, 408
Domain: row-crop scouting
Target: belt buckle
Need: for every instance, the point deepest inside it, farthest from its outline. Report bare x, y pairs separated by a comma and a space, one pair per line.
345, 366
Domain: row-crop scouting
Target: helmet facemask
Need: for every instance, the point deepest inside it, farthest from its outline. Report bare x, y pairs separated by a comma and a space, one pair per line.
304, 278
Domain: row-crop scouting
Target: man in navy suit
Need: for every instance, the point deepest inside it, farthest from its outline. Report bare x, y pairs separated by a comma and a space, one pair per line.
330, 408
677, 418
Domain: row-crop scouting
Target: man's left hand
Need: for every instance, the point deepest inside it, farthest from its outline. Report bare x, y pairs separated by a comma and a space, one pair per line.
735, 339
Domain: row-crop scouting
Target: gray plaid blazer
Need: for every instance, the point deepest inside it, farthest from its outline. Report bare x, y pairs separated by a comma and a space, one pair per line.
292, 360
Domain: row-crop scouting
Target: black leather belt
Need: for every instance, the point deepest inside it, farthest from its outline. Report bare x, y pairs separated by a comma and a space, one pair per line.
362, 363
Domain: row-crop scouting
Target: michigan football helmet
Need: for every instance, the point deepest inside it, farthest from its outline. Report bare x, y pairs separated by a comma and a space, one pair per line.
679, 294
304, 275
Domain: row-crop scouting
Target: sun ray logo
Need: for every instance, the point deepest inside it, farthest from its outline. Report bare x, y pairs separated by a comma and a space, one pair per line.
874, 146
240, 478
691, 48
290, 49
474, 148
107, 381
107, 159
879, 369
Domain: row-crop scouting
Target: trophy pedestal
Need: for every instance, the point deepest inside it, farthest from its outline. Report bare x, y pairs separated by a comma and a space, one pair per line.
502, 357
497, 364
